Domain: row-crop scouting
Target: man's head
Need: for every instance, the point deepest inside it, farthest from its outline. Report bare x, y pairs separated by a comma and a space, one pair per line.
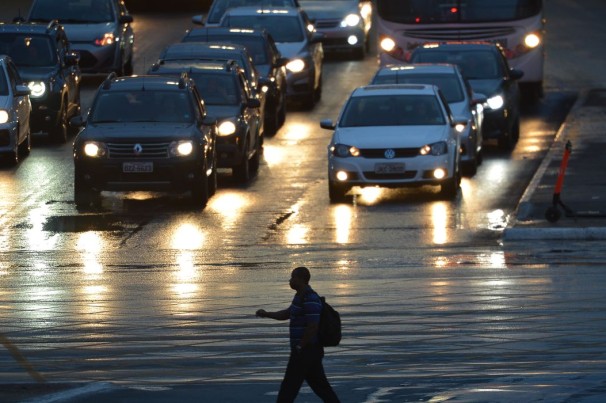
299, 278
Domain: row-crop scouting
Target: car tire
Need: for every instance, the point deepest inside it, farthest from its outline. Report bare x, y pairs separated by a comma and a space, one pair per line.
199, 190
471, 167
359, 53
337, 193
128, 67
26, 146
271, 122
282, 114
241, 172
450, 187
58, 134
508, 140
84, 195
255, 161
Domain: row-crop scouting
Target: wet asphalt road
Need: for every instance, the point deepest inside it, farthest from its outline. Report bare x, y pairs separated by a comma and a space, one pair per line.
146, 292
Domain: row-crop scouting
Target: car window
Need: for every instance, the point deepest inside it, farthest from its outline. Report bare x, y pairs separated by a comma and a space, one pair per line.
28, 50
282, 28
72, 11
476, 64
142, 106
3, 82
392, 110
449, 84
217, 89
219, 7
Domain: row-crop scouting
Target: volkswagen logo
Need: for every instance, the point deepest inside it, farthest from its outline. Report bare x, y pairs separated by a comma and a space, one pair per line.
138, 149
389, 153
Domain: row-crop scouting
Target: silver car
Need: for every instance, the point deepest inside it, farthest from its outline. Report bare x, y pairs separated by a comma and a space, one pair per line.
464, 103
100, 30
15, 109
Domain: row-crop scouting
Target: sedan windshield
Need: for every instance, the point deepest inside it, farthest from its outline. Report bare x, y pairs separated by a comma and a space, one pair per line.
449, 84
392, 110
282, 28
221, 6
28, 50
70, 11
142, 106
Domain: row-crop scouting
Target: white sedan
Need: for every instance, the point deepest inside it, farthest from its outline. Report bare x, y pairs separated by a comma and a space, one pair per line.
397, 135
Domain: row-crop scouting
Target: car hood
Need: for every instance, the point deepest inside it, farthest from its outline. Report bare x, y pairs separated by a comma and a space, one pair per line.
88, 32
36, 73
329, 10
291, 49
487, 87
390, 136
222, 111
121, 131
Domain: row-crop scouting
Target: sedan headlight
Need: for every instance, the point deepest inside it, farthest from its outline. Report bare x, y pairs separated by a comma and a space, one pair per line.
226, 128
37, 88
106, 40
495, 102
296, 65
344, 151
94, 149
3, 116
181, 148
351, 20
439, 148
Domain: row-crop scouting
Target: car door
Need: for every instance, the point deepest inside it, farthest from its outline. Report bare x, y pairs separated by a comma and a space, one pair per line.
70, 73
251, 115
315, 49
21, 103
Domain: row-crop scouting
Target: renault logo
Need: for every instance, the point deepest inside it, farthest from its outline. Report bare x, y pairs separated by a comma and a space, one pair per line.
389, 153
138, 149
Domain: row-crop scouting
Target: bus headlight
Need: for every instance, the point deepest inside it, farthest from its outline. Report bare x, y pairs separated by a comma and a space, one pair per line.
37, 88
532, 40
387, 44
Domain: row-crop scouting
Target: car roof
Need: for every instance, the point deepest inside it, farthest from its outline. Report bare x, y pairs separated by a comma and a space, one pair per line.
142, 82
476, 45
248, 10
216, 67
395, 89
417, 68
193, 49
210, 31
31, 27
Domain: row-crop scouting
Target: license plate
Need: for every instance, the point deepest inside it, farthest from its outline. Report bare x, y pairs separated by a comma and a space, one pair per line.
390, 168
137, 167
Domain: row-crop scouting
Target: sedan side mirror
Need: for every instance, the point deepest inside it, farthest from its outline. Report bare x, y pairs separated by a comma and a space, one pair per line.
77, 121
327, 124
198, 19
21, 90
516, 74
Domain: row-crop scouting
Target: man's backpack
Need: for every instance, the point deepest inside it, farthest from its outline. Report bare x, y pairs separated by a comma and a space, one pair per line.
329, 331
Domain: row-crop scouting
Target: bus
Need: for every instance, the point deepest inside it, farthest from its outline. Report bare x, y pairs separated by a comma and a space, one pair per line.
517, 25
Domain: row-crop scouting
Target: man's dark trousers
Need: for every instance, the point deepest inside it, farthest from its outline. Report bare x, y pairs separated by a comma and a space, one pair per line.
306, 366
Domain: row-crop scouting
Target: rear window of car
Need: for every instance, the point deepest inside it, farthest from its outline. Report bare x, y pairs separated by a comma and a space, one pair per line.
282, 28
474, 64
70, 12
449, 84
217, 89
254, 44
392, 110
219, 7
142, 106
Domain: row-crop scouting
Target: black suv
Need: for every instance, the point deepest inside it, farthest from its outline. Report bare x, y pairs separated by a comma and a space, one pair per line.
145, 133
45, 61
230, 100
267, 58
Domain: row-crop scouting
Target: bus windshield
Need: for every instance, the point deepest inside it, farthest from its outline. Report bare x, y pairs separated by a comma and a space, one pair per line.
453, 11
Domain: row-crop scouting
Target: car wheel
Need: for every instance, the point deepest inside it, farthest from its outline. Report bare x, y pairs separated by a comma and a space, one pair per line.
450, 187
508, 140
26, 146
255, 161
199, 190
84, 195
282, 114
271, 122
359, 53
337, 193
128, 67
212, 180
58, 134
242, 171
318, 91
471, 167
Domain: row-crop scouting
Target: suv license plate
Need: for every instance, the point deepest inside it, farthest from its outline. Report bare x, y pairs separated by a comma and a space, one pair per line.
392, 168
137, 167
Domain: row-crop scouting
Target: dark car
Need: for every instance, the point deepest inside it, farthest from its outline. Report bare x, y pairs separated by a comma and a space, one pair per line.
267, 59
230, 100
145, 133
99, 30
297, 40
45, 61
486, 68
15, 110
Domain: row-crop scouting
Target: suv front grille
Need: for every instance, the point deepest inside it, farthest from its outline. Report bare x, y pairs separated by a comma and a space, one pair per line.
147, 150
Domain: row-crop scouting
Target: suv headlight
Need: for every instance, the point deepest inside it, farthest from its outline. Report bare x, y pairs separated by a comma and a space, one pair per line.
439, 148
495, 102
227, 128
37, 88
106, 40
344, 151
181, 148
350, 20
296, 65
3, 116
94, 149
